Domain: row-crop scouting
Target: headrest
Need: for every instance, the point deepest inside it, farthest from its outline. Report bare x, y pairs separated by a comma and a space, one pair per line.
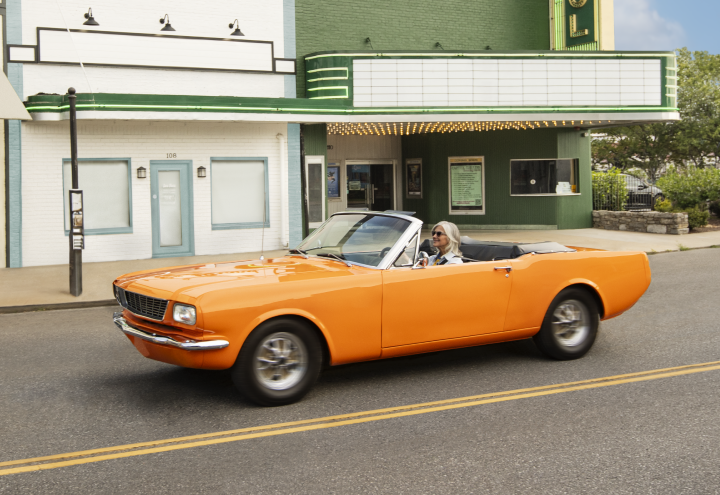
468, 240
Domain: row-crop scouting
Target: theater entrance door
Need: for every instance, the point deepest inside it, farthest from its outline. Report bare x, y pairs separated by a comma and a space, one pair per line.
371, 186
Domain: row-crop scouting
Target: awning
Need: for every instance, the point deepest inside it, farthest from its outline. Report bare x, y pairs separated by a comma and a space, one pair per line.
11, 107
103, 106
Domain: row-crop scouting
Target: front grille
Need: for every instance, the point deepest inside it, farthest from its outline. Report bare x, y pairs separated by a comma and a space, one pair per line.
149, 307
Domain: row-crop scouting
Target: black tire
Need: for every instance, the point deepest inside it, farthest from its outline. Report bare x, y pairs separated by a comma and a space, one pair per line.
575, 338
264, 376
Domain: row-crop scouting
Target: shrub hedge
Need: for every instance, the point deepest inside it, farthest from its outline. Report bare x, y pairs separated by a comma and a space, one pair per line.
692, 188
609, 190
697, 217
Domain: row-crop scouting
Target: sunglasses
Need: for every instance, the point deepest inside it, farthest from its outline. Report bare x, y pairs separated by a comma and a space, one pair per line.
438, 234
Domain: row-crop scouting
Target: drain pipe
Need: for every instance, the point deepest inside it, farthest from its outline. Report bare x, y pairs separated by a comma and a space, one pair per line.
284, 227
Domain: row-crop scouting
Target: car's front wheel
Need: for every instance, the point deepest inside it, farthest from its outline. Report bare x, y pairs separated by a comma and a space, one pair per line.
278, 363
570, 325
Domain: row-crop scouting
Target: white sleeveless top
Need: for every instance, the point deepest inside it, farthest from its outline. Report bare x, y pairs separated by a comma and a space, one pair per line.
450, 257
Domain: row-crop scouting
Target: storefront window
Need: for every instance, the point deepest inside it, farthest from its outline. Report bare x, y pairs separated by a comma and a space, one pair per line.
543, 177
106, 194
239, 193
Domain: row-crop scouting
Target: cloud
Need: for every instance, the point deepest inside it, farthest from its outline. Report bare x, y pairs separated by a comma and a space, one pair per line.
638, 26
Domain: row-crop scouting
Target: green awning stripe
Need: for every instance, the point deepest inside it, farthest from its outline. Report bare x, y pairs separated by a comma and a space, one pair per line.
343, 111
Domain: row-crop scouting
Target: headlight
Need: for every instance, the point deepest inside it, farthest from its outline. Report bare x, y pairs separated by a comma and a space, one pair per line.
184, 314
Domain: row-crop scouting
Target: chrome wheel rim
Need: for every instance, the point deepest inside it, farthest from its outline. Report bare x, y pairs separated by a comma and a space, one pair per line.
280, 361
571, 323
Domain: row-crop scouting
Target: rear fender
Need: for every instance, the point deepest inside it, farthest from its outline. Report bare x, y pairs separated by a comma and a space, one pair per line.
591, 287
617, 279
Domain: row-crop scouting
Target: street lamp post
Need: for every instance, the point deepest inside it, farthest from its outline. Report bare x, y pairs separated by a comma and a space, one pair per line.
76, 235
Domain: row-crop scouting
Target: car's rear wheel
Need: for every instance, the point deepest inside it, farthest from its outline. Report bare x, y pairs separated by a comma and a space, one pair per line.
570, 325
278, 363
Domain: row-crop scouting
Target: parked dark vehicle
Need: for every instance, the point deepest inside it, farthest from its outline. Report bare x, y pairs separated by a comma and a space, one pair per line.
641, 195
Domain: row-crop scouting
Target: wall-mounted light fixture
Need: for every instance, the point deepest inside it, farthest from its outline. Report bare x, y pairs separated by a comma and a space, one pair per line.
90, 19
439, 45
141, 172
368, 41
167, 27
237, 31
202, 172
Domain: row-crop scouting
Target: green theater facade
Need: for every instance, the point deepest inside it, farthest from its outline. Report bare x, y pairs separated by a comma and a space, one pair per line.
474, 112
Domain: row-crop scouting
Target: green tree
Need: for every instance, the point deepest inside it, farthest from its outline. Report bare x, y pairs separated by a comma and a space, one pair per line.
646, 146
692, 141
697, 140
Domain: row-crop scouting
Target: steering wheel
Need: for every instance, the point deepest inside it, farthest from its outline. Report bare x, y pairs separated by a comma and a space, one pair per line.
384, 252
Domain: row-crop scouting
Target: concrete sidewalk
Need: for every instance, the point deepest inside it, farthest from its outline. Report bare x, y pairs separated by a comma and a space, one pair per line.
39, 287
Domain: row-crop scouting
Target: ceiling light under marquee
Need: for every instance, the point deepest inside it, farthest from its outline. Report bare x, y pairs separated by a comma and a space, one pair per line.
411, 128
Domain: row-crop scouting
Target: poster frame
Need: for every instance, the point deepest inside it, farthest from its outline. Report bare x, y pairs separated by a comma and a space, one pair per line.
456, 160
336, 166
408, 194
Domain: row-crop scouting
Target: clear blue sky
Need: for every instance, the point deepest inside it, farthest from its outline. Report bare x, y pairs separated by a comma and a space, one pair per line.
667, 25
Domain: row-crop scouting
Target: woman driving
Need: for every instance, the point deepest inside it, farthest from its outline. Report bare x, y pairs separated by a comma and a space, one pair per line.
446, 238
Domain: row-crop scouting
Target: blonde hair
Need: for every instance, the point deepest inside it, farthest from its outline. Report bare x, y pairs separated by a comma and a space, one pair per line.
453, 235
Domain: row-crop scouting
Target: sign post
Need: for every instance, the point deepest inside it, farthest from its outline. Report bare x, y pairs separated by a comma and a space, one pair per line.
77, 230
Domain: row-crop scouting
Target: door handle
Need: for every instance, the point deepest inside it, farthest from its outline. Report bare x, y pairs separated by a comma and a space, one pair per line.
508, 268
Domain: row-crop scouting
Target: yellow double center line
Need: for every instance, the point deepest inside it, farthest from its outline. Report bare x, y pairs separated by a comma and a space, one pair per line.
144, 448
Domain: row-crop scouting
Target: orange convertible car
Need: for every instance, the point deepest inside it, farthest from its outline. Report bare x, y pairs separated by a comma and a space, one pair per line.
359, 288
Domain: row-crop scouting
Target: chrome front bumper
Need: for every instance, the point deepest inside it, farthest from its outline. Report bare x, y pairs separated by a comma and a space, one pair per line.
189, 345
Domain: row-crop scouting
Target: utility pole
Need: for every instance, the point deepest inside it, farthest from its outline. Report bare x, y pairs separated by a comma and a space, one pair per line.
76, 235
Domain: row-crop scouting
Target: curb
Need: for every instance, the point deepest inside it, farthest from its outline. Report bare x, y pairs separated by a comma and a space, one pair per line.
52, 307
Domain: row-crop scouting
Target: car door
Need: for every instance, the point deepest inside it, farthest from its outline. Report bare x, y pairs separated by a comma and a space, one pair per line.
444, 302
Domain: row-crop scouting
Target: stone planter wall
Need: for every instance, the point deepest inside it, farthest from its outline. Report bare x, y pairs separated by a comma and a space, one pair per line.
653, 222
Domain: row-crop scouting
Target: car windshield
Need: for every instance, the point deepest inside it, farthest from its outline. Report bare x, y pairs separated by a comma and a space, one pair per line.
359, 238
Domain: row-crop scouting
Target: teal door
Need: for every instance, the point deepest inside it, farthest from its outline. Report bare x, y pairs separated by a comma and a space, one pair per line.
172, 208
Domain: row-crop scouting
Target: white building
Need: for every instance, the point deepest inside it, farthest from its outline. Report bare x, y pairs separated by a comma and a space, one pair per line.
174, 210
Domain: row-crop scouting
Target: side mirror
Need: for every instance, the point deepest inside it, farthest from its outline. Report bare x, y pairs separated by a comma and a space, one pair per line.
422, 260
642, 186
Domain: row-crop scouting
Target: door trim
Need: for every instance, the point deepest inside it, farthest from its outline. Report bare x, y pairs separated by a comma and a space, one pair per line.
460, 342
155, 220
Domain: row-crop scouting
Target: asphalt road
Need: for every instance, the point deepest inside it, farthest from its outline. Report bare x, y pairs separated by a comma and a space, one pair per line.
69, 381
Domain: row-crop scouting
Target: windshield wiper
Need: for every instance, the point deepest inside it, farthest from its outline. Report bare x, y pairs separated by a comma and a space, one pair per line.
335, 256
320, 247
300, 252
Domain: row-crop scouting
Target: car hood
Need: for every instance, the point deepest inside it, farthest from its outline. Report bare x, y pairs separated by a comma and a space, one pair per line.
192, 281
